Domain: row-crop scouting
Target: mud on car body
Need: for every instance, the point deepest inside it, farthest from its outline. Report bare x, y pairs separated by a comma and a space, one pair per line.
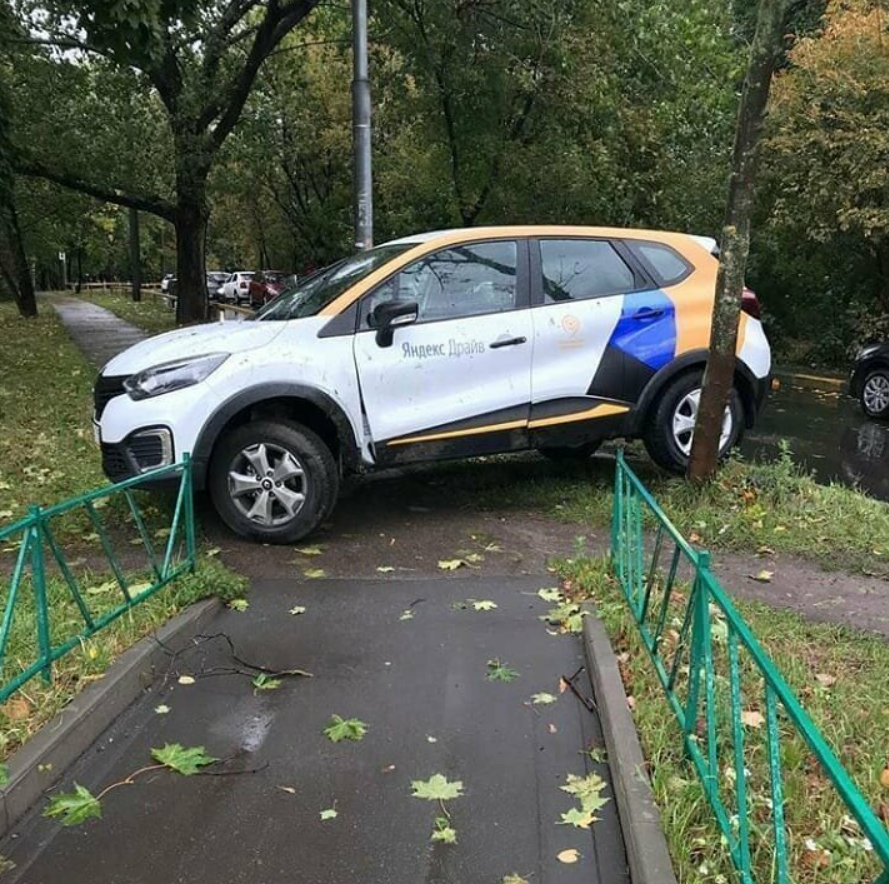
441, 345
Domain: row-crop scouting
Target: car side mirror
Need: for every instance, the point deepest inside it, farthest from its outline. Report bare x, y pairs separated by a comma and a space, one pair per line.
389, 315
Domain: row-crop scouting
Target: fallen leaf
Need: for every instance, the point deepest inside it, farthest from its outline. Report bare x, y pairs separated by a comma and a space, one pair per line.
4, 774
339, 729
752, 718
406, 614
568, 856
631, 702
514, 878
296, 610
385, 569
239, 604
552, 728
431, 739
763, 576
563, 685
437, 788
498, 671
17, 709
186, 679
694, 538
443, 832
212, 552
825, 680
72, 808
550, 595
329, 814
451, 564
884, 777
484, 605
309, 550
288, 789
163, 709
314, 573
263, 682
184, 760
543, 699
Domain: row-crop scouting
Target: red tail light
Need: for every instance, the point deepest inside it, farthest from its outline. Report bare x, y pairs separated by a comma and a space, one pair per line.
243, 285
750, 303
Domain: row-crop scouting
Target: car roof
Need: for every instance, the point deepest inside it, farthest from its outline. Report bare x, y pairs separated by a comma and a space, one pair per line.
549, 230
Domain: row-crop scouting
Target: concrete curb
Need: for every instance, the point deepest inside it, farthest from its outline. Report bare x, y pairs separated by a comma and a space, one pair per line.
43, 760
647, 853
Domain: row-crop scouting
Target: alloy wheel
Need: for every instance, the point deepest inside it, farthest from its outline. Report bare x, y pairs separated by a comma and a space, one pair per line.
267, 484
685, 417
876, 393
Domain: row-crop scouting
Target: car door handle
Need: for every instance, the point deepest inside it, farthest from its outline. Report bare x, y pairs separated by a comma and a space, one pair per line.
507, 342
647, 313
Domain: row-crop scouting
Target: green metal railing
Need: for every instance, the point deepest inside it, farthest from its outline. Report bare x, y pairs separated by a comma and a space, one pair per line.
736, 711
50, 625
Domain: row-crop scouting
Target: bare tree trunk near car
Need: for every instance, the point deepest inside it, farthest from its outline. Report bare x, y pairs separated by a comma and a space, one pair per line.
135, 256
765, 51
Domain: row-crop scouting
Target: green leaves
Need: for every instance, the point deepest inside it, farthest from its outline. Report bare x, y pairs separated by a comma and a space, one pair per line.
329, 814
73, 808
568, 616
296, 610
498, 671
514, 878
588, 791
4, 774
437, 788
339, 729
443, 832
263, 682
239, 605
550, 595
184, 761
543, 699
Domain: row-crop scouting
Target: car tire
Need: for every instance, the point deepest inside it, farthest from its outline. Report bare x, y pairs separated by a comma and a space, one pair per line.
875, 393
266, 507
669, 427
570, 453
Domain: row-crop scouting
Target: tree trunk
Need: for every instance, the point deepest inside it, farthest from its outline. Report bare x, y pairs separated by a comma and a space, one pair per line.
765, 52
191, 279
135, 256
16, 271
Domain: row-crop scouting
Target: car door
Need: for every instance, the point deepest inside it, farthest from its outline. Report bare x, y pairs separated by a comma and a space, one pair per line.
457, 381
600, 327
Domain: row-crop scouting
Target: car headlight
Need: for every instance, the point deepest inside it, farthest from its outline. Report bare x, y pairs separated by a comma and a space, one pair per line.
171, 376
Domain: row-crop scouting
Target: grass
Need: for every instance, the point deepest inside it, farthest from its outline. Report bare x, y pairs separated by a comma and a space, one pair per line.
841, 677
46, 447
750, 507
47, 454
37, 702
151, 313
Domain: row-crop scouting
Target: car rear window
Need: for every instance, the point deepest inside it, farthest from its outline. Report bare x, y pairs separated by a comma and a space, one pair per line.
576, 269
664, 263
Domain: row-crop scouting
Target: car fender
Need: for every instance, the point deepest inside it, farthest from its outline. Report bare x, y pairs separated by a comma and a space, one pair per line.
264, 392
691, 359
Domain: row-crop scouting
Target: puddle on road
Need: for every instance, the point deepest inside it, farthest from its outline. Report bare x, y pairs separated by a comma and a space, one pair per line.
828, 434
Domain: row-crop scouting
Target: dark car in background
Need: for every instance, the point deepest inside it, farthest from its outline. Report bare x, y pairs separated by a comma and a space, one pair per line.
267, 285
215, 281
869, 383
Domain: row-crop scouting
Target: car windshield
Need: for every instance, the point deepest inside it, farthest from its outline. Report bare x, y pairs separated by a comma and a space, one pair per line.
315, 292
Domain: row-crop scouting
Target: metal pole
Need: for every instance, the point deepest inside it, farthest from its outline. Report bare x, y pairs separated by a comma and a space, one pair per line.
361, 129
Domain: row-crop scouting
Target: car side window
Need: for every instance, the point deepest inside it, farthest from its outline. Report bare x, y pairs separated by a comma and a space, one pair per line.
463, 280
577, 269
665, 264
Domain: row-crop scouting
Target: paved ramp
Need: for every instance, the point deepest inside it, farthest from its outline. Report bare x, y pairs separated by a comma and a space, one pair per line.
98, 332
421, 686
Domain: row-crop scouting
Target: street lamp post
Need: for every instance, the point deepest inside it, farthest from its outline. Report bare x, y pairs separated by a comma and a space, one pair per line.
361, 129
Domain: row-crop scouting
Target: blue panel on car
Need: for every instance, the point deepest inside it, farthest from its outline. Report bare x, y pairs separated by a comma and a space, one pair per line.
646, 329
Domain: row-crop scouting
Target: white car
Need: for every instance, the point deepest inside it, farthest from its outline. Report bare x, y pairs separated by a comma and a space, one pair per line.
237, 287
165, 282
440, 345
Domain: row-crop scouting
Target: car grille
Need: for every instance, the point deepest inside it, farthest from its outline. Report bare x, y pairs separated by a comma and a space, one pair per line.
106, 388
114, 464
147, 451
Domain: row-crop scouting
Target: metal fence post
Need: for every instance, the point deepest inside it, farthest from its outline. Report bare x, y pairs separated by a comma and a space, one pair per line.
188, 481
38, 576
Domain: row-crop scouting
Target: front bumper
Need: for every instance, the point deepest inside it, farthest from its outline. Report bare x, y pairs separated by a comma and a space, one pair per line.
141, 451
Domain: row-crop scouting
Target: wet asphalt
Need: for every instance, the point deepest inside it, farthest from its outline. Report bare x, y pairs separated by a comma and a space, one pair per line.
420, 684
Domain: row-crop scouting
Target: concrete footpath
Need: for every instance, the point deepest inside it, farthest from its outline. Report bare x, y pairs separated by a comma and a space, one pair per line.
402, 656
98, 332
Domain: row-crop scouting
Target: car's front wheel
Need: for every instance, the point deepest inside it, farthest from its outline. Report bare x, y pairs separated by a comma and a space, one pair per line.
670, 427
275, 481
875, 393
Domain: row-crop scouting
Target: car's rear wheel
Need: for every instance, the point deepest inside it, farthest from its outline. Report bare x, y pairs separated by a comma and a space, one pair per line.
570, 453
670, 427
875, 393
275, 481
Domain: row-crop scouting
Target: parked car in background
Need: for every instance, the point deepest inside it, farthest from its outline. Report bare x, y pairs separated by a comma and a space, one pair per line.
236, 288
165, 283
869, 383
216, 279
267, 285
439, 345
